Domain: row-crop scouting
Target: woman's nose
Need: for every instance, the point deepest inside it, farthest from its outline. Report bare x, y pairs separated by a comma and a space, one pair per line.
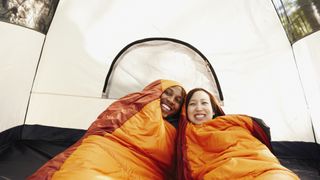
198, 107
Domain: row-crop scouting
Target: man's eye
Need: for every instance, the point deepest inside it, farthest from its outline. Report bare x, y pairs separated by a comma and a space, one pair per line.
178, 100
168, 93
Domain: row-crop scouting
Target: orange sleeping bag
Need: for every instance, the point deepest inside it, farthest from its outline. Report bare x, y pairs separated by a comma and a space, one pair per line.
226, 148
130, 139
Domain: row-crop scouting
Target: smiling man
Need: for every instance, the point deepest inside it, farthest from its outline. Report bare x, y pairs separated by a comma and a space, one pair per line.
170, 102
134, 137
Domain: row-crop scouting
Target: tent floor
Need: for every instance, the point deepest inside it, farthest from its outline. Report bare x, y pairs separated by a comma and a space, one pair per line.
20, 158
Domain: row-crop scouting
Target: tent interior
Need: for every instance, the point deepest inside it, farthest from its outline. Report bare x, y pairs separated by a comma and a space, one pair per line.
56, 79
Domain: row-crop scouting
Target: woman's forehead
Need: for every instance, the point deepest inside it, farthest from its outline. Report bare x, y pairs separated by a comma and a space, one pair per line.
200, 95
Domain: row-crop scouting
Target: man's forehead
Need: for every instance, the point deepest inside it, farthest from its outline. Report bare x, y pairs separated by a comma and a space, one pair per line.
177, 89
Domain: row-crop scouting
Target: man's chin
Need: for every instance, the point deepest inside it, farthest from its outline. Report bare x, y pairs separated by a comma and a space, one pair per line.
167, 116
164, 116
170, 116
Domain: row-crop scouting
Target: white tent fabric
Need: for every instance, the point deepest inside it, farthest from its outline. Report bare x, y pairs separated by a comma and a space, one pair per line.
20, 50
243, 40
307, 55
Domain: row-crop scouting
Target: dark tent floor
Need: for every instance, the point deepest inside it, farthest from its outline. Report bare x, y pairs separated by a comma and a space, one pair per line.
26, 148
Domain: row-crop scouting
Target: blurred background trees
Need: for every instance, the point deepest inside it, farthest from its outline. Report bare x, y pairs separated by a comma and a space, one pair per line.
34, 14
298, 17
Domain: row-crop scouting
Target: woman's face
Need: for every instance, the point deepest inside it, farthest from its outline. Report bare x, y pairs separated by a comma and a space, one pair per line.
199, 108
171, 101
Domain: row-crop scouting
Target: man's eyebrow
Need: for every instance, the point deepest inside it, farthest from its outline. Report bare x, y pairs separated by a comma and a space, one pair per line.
169, 89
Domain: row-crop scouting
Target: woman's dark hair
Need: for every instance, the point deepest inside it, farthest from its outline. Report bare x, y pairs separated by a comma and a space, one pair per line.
214, 104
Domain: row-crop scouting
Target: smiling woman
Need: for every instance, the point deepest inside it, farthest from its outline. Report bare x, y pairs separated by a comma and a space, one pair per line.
199, 108
202, 106
218, 146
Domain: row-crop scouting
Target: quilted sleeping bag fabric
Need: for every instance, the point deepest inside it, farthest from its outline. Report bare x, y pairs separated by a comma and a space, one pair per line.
129, 140
227, 147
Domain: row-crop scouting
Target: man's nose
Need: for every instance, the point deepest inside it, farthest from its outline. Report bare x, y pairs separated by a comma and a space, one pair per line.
171, 99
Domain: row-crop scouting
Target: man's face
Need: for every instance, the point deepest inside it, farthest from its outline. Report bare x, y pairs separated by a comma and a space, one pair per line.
171, 101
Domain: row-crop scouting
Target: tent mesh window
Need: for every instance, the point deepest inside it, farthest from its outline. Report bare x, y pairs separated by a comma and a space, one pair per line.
147, 60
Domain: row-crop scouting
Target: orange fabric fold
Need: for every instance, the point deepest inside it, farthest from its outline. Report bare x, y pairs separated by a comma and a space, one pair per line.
224, 148
130, 138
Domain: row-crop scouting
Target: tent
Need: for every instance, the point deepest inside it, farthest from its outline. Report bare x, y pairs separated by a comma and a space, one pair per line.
55, 84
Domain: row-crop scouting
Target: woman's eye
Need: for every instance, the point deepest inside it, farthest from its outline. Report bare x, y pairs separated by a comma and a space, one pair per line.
192, 104
205, 103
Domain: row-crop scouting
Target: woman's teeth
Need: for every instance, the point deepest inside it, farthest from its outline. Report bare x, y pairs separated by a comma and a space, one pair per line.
199, 116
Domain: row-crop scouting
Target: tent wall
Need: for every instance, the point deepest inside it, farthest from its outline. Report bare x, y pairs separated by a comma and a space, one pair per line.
243, 40
307, 55
65, 111
20, 51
